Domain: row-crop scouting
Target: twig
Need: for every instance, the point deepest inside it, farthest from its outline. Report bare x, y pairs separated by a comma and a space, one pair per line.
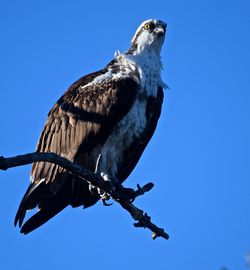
122, 195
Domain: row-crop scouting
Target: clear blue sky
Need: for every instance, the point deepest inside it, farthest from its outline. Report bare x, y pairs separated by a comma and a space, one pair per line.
199, 157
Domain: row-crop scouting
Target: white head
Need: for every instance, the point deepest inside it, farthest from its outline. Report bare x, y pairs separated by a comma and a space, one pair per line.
150, 35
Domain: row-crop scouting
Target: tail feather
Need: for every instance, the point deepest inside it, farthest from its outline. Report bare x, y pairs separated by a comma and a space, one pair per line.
42, 216
74, 192
48, 206
28, 202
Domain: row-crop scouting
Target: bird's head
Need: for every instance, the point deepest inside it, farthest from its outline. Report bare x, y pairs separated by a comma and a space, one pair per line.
150, 35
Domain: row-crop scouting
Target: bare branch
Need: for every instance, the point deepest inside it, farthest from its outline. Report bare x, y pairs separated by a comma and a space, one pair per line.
124, 196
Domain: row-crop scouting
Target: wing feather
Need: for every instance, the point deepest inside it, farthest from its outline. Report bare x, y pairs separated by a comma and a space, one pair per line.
81, 119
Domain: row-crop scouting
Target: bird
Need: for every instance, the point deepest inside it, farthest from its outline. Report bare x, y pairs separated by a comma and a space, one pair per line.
112, 112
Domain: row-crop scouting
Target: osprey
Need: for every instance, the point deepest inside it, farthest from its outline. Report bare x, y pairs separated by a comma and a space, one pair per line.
112, 112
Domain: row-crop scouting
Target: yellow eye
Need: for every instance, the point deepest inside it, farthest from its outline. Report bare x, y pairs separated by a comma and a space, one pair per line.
146, 26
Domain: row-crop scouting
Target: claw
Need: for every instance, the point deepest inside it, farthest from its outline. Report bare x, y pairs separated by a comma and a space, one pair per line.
105, 203
111, 183
105, 197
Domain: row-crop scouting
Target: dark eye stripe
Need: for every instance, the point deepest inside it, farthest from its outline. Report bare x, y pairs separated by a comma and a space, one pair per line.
150, 29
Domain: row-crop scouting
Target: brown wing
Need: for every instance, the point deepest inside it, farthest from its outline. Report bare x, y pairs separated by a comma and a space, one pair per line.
81, 119
133, 154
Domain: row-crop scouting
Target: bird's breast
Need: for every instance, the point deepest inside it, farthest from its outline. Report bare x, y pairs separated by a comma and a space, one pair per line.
130, 127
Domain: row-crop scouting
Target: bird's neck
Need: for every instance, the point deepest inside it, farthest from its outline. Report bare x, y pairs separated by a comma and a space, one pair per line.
147, 57
144, 64
139, 49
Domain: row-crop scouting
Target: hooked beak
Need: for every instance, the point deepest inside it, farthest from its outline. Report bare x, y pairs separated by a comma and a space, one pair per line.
160, 29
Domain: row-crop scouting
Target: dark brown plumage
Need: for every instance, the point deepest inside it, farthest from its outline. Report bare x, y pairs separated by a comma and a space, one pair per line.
78, 126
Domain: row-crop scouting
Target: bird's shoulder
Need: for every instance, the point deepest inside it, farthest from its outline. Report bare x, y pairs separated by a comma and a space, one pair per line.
104, 87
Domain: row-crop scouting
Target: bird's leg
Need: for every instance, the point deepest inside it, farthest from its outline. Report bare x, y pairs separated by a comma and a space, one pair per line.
93, 189
112, 182
114, 187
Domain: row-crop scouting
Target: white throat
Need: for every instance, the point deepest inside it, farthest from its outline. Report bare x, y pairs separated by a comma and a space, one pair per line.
146, 66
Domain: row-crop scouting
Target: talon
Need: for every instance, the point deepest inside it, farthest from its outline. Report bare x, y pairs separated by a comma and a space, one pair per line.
105, 197
105, 203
